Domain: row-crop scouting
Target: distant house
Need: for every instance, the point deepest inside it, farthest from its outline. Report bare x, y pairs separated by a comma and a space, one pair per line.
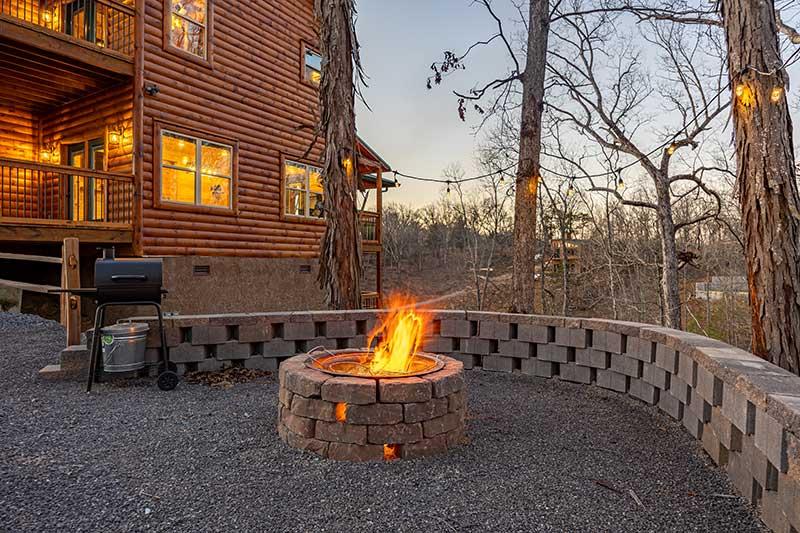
174, 129
720, 287
573, 249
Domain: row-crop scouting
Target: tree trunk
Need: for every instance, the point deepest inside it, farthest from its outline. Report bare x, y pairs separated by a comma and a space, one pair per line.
670, 295
766, 179
340, 250
530, 141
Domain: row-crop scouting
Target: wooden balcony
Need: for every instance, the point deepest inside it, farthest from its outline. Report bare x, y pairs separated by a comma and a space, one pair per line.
52, 52
48, 203
370, 231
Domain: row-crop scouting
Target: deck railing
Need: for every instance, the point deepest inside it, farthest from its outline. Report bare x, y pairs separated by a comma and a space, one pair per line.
105, 23
38, 192
369, 226
370, 300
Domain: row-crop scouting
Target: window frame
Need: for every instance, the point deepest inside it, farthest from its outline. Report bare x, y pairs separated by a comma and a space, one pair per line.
160, 203
304, 49
209, 33
319, 221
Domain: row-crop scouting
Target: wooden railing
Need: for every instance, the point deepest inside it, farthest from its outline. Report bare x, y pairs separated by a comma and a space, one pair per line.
370, 300
369, 226
38, 192
105, 23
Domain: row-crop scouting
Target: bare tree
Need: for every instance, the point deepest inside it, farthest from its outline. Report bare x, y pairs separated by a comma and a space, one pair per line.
501, 92
340, 250
611, 115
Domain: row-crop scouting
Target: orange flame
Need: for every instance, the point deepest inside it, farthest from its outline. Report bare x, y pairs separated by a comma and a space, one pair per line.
390, 452
401, 332
340, 411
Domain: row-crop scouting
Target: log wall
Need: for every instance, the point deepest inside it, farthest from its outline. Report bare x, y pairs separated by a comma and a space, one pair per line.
92, 117
250, 92
17, 141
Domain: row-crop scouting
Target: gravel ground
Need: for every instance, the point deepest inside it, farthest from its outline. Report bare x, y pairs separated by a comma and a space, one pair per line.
132, 458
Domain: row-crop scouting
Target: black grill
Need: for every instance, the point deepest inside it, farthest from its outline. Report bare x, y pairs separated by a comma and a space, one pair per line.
128, 280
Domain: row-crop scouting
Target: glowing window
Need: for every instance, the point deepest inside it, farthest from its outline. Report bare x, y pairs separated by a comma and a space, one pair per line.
195, 171
313, 67
303, 191
188, 30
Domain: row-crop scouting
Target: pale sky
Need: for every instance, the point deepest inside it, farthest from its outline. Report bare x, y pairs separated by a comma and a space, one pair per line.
416, 130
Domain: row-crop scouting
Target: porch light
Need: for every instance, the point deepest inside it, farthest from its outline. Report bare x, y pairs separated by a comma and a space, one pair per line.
113, 137
49, 154
47, 17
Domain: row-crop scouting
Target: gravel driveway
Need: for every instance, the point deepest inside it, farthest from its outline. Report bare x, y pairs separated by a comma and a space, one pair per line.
544, 456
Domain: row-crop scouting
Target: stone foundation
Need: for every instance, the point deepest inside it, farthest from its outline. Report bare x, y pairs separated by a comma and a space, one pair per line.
365, 419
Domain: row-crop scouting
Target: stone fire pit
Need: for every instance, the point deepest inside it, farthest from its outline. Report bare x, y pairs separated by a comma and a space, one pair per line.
349, 418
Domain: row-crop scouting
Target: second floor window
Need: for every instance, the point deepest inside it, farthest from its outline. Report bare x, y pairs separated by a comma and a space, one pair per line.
312, 72
195, 171
188, 30
303, 191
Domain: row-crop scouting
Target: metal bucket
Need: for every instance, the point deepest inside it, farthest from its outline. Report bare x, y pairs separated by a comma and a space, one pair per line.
124, 346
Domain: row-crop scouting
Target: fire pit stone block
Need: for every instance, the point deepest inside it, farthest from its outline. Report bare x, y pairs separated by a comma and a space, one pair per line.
340, 451
349, 390
375, 414
367, 419
404, 390
313, 408
396, 433
306, 381
338, 432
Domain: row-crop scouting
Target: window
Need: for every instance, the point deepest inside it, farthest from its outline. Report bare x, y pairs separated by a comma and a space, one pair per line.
303, 191
195, 171
187, 30
312, 72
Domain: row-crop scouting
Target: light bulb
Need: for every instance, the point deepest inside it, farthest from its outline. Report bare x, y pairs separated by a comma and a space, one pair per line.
776, 95
671, 149
620, 184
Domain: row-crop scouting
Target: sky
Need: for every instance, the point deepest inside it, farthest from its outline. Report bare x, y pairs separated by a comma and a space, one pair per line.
416, 130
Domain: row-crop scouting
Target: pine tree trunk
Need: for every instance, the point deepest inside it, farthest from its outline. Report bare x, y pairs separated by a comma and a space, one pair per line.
530, 141
340, 250
766, 178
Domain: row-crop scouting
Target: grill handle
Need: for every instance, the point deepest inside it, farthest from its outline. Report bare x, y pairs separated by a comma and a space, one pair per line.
128, 277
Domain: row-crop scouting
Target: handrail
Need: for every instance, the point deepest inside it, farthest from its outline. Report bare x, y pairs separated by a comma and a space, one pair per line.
128, 10
64, 169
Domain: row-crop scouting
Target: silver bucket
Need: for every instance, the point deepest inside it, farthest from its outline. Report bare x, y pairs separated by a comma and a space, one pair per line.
124, 346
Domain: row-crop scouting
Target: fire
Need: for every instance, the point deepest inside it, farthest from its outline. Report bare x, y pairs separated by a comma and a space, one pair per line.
390, 452
401, 332
340, 411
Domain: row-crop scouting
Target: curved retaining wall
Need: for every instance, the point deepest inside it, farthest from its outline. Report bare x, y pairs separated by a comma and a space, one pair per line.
745, 411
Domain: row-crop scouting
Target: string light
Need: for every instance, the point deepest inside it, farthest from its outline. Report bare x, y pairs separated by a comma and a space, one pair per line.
448, 188
571, 188
671, 149
776, 95
620, 181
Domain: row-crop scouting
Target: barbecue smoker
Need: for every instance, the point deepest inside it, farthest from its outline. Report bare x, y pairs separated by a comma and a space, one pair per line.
127, 282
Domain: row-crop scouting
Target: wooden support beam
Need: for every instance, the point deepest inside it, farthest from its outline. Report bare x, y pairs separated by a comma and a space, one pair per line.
71, 279
66, 46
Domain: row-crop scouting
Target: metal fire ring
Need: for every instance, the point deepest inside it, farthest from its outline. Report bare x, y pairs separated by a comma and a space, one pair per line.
323, 361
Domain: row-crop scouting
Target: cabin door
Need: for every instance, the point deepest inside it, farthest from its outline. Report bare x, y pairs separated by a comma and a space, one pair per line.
86, 196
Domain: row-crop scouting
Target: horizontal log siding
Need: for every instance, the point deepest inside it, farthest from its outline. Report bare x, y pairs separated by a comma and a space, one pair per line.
252, 94
17, 141
90, 118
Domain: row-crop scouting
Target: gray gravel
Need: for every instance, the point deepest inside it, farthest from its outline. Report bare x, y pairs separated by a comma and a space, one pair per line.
132, 458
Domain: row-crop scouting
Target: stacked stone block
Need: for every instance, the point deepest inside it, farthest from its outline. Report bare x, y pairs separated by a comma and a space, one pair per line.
744, 411
354, 419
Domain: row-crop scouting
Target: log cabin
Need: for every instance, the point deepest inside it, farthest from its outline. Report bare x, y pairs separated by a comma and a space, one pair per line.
181, 129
